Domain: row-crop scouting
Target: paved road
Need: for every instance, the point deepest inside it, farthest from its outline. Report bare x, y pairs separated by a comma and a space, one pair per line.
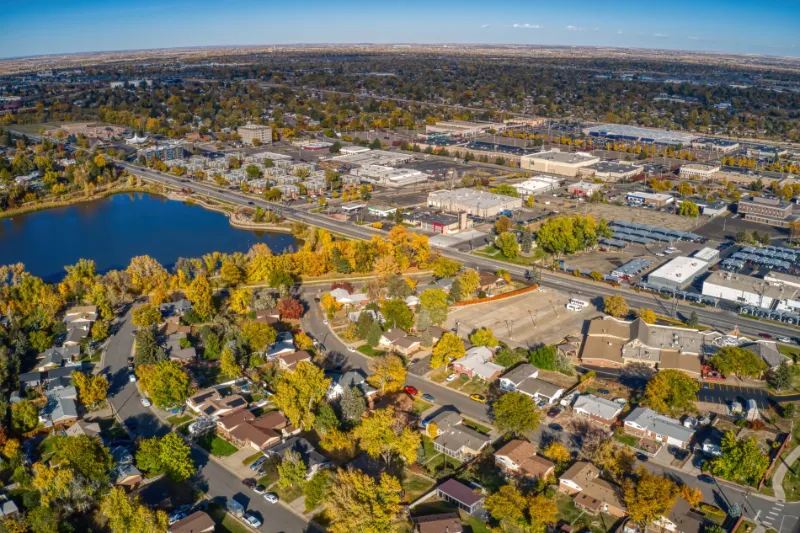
723, 320
313, 323
216, 481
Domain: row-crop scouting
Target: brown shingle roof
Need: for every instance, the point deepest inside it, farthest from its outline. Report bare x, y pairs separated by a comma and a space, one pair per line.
517, 451
439, 523
194, 523
581, 473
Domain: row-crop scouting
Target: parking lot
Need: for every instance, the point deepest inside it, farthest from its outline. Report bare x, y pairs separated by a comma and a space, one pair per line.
638, 215
721, 228
526, 320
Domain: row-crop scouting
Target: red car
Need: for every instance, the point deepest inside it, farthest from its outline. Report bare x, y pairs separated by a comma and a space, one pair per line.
411, 391
765, 335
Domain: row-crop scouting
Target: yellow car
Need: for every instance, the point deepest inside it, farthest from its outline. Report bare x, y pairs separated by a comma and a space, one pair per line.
478, 398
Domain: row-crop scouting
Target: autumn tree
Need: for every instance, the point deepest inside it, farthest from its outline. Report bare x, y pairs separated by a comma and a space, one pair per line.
202, 297
742, 460
146, 315
358, 503
515, 413
615, 306
84, 455
298, 393
692, 495
24, 416
388, 373
445, 268
557, 453
397, 314
168, 454
671, 391
380, 435
648, 315
92, 389
352, 404
126, 515
291, 470
52, 483
228, 363
483, 337
469, 281
616, 460
649, 497
240, 300
434, 301
231, 273
508, 245
732, 360
449, 348
166, 383
258, 335
290, 308
518, 512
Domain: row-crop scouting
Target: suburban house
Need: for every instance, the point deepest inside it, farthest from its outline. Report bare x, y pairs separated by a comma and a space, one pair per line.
399, 341
681, 519
343, 296
90, 429
242, 429
489, 281
7, 507
178, 354
31, 380
463, 496
518, 458
61, 407
592, 495
176, 308
80, 314
438, 523
172, 325
613, 343
209, 402
644, 422
124, 472
524, 379
57, 357
283, 344
313, 460
444, 284
268, 316
478, 362
456, 440
289, 361
352, 378
597, 409
76, 332
197, 522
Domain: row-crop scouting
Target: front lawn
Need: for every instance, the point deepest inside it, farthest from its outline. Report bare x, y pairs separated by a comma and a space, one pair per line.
225, 522
289, 494
252, 459
791, 482
624, 438
216, 446
439, 375
415, 486
177, 420
480, 428
459, 382
370, 351
475, 386
420, 406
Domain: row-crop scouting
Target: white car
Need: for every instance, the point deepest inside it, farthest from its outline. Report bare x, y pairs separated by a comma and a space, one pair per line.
351, 349
251, 519
451, 377
325, 321
271, 497
132, 378
785, 339
145, 402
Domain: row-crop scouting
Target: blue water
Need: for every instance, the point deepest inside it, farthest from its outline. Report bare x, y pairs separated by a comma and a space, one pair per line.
113, 230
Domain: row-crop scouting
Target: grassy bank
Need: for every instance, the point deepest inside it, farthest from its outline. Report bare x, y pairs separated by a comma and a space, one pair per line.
42, 206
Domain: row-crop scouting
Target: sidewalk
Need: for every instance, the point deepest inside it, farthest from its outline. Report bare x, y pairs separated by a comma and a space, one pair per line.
780, 473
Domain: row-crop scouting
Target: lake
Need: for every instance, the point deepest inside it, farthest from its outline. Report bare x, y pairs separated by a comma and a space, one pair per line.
113, 230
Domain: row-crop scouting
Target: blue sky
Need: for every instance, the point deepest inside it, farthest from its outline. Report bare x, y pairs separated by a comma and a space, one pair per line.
30, 27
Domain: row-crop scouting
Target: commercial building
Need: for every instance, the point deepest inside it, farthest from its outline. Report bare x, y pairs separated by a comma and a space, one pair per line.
352, 150
251, 132
779, 278
631, 268
770, 211
614, 170
557, 162
463, 128
652, 199
722, 146
388, 176
537, 185
677, 273
373, 157
748, 290
762, 151
584, 189
634, 133
478, 203
444, 223
164, 151
698, 171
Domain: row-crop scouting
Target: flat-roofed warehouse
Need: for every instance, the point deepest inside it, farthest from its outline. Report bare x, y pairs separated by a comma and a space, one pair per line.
479, 203
374, 157
614, 170
635, 133
678, 273
464, 128
558, 162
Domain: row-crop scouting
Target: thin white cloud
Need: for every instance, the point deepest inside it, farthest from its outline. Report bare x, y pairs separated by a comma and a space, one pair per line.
619, 32
660, 35
595, 29
574, 28
485, 26
527, 26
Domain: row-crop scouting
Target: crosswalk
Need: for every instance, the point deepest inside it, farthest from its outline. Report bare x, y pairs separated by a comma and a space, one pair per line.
773, 516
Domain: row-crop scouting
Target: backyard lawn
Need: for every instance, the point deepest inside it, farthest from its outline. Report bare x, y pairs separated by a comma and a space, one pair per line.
427, 445
437, 468
225, 522
177, 420
415, 486
630, 440
216, 446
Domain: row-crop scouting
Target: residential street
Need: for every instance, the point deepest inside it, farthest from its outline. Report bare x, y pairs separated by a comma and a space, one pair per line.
216, 481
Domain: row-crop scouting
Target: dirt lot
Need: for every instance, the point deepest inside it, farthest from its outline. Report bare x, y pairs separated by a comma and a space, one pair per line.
513, 320
638, 215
